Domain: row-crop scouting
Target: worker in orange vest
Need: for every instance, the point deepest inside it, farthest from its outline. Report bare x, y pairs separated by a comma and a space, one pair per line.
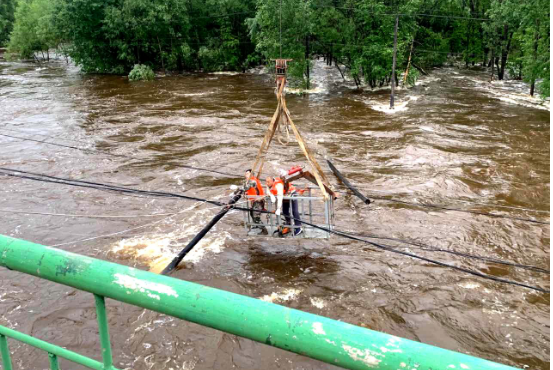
256, 197
277, 189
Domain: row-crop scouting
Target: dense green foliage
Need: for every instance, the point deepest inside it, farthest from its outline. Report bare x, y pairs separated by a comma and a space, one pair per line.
140, 72
356, 36
7, 9
34, 29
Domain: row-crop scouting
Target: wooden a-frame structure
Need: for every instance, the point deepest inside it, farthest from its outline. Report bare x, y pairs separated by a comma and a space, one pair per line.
282, 116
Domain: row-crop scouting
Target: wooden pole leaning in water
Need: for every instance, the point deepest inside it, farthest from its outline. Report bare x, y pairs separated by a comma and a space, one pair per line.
408, 62
347, 183
174, 263
394, 65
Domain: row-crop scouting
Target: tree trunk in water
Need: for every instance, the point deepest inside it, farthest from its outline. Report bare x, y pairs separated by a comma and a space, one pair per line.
394, 65
342, 73
492, 61
356, 82
161, 55
536, 39
505, 54
420, 69
468, 45
485, 50
307, 58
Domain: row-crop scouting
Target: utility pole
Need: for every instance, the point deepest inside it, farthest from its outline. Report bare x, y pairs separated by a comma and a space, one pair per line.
394, 65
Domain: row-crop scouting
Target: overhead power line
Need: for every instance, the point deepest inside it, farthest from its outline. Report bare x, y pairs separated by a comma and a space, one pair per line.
447, 208
477, 203
432, 206
107, 187
233, 175
393, 14
83, 215
427, 247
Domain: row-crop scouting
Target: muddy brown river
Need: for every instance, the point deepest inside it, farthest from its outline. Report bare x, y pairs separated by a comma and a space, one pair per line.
453, 140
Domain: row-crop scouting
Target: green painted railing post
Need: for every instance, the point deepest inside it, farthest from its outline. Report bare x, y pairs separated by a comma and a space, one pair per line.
6, 360
54, 364
104, 331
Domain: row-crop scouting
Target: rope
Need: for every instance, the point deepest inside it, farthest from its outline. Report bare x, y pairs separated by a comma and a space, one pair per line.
99, 186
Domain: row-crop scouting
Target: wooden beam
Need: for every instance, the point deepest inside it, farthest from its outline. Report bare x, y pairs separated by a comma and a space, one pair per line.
303, 146
309, 155
270, 133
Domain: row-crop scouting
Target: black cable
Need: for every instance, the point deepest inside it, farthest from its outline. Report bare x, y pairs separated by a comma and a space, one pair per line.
427, 247
99, 186
387, 248
80, 183
55, 137
433, 206
119, 155
436, 206
468, 271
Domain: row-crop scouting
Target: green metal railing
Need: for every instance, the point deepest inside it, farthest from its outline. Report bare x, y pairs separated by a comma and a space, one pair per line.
327, 340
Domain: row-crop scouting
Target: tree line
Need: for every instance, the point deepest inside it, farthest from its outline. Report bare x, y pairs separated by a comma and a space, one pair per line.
511, 37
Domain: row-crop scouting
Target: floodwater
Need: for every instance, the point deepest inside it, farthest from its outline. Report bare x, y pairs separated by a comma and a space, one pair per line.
453, 140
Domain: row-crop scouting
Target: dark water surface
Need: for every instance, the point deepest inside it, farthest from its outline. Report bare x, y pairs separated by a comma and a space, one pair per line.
452, 141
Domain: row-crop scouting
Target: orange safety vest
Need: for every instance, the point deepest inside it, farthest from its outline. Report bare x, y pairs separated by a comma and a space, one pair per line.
291, 187
257, 190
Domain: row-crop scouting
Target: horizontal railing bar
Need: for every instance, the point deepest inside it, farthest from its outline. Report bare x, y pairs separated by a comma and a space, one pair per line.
318, 337
51, 348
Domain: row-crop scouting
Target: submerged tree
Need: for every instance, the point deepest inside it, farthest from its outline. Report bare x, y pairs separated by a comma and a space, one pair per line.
356, 36
34, 29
